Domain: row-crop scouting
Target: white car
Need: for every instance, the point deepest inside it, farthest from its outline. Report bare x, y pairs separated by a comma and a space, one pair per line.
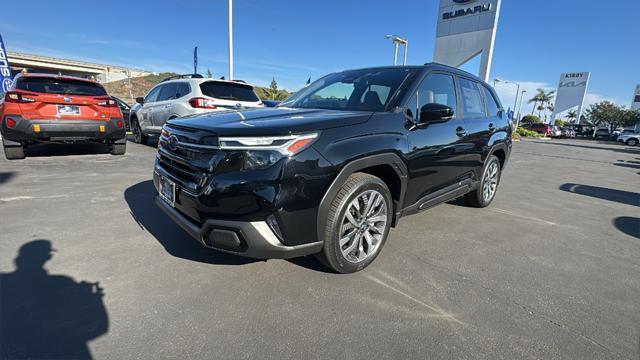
629, 138
183, 95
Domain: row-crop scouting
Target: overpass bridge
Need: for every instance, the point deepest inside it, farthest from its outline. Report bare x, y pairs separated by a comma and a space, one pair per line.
101, 72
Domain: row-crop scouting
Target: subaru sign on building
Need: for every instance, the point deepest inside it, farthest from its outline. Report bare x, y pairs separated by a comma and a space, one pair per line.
466, 28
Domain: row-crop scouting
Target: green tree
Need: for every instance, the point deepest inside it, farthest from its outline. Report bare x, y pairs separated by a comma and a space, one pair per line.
558, 122
272, 92
530, 119
608, 114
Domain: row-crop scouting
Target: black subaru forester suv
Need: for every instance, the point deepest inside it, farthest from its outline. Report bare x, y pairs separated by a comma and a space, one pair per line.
331, 169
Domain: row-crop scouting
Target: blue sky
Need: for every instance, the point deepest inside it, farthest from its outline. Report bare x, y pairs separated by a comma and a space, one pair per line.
295, 40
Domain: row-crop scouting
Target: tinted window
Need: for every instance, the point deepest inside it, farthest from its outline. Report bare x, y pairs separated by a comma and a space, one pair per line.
228, 91
183, 89
471, 99
153, 95
492, 105
437, 89
59, 86
168, 92
366, 90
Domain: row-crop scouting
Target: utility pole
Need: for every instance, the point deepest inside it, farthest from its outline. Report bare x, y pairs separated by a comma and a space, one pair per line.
230, 39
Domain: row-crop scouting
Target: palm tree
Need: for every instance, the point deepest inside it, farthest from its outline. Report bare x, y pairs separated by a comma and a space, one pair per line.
542, 101
572, 115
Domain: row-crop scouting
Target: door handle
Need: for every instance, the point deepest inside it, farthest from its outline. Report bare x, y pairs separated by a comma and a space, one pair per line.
492, 127
460, 131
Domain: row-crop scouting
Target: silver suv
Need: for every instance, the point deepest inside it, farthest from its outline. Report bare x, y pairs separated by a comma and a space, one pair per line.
183, 95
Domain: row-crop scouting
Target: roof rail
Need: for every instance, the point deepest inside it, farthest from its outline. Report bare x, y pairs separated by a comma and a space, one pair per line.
239, 81
184, 76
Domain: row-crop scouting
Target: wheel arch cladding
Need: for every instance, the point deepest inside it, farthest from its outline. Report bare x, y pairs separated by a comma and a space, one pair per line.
389, 167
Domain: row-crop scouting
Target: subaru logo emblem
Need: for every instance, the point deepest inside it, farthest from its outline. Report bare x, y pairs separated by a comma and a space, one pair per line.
463, 1
238, 105
66, 99
173, 142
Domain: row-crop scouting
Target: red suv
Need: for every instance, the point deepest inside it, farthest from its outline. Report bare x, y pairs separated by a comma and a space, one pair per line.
542, 129
51, 108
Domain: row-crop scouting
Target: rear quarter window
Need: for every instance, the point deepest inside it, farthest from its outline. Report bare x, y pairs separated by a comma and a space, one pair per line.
228, 91
48, 85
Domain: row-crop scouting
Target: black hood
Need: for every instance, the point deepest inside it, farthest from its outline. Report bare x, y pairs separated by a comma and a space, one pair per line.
270, 121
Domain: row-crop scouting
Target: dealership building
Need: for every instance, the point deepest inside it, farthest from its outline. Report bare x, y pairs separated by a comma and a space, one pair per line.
50, 65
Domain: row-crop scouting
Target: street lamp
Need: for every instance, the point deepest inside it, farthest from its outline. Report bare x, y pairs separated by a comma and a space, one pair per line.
397, 41
496, 80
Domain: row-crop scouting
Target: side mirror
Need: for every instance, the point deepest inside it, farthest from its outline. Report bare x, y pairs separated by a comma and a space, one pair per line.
432, 112
140, 100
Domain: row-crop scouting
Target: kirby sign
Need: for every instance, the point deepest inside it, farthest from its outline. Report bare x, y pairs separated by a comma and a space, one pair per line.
5, 70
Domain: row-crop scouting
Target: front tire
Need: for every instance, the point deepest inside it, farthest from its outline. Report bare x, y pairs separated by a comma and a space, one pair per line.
358, 223
483, 196
632, 142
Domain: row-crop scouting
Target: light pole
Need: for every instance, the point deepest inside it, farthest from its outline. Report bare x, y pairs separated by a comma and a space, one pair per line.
230, 39
397, 41
496, 80
520, 106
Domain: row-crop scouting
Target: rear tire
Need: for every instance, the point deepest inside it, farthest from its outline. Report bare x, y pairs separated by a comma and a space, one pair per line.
118, 149
358, 223
632, 142
138, 136
484, 195
14, 152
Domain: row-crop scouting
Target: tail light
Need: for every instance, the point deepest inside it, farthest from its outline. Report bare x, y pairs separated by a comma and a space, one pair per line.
108, 102
202, 103
17, 97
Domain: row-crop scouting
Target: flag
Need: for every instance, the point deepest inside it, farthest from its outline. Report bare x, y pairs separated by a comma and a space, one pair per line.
195, 60
5, 70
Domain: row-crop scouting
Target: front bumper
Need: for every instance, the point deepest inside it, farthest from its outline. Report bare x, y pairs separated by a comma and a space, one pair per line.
63, 130
250, 239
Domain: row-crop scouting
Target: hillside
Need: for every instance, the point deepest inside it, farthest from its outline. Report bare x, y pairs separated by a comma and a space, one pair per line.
141, 85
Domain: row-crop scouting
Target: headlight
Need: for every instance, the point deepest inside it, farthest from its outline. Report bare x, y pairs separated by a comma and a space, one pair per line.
286, 145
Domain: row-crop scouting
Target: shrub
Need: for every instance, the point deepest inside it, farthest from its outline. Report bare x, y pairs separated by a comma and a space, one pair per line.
527, 133
530, 119
559, 122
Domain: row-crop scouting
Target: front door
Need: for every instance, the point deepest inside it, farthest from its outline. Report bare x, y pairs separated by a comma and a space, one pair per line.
162, 108
435, 159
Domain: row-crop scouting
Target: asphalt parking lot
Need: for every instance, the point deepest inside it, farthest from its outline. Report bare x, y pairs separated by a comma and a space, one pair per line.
550, 270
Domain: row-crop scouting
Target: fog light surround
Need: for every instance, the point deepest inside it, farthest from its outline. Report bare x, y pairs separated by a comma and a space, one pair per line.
275, 227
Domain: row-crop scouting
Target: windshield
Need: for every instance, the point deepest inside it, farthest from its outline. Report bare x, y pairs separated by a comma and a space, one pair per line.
49, 85
364, 90
229, 91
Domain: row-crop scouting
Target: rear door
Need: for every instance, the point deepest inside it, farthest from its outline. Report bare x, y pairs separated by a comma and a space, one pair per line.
60, 98
482, 117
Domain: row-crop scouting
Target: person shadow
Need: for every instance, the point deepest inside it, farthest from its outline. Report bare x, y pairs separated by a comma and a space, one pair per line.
44, 316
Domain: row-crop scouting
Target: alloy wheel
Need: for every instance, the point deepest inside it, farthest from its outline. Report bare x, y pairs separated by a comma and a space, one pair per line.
490, 182
363, 226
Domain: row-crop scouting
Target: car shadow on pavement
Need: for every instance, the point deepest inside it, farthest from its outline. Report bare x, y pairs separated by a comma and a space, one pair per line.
628, 225
44, 316
140, 198
620, 196
52, 149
